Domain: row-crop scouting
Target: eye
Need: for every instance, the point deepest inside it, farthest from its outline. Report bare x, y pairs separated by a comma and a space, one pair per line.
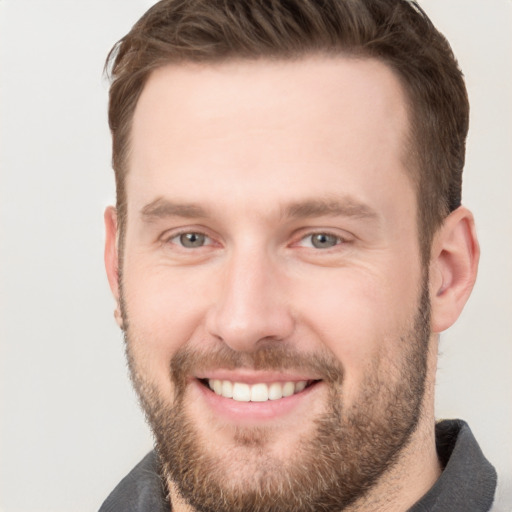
191, 240
321, 240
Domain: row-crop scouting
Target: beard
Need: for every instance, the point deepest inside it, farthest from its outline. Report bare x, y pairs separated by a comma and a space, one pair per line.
346, 452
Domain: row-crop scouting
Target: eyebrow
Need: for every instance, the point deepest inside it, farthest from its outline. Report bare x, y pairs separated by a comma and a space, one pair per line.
344, 207
162, 208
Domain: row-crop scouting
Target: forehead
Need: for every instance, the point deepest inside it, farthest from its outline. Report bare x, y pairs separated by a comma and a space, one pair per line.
255, 127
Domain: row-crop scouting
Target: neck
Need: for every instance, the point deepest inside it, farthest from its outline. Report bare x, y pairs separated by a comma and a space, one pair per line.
418, 466
415, 472
177, 502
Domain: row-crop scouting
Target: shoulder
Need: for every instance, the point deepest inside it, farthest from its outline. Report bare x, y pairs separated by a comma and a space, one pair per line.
468, 480
141, 490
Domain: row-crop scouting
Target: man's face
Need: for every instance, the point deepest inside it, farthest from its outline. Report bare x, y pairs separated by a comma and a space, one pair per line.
271, 253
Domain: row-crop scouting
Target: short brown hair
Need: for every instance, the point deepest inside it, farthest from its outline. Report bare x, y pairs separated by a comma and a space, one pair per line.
397, 32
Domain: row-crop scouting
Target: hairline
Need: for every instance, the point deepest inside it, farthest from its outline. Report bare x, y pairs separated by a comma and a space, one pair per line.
411, 146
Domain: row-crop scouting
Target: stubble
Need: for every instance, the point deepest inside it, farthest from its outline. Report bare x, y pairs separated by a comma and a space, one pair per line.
348, 450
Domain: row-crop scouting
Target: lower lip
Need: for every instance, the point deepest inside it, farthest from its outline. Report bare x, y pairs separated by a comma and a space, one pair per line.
256, 411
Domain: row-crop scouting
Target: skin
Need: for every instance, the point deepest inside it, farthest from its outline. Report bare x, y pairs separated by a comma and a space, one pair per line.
259, 149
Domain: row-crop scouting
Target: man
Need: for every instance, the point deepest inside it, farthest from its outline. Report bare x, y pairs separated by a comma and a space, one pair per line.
287, 245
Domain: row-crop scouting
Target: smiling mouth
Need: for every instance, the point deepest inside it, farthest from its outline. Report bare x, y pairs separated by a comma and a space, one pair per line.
258, 392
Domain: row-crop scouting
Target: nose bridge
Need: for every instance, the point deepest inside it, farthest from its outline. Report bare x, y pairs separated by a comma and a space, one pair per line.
250, 306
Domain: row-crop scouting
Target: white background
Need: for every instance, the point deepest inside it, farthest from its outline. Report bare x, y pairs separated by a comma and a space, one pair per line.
70, 426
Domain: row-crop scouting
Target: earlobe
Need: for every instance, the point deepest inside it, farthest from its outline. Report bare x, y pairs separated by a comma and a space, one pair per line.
453, 267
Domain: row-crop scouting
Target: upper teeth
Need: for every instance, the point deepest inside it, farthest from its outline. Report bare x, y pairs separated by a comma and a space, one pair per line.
261, 392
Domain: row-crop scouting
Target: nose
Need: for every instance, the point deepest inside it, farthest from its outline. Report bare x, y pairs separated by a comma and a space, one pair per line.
250, 309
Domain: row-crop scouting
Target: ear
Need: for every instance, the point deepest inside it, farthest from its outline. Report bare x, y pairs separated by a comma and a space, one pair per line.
111, 258
453, 267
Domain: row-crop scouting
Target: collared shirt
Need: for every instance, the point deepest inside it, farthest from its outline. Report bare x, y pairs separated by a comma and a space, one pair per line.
467, 483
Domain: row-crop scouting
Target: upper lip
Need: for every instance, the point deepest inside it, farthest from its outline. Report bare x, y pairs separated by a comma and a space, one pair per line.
254, 376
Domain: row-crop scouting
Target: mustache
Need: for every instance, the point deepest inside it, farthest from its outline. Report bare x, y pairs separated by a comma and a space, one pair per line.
187, 361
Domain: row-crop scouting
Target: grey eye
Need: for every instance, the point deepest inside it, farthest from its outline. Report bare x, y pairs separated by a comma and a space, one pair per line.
324, 240
192, 240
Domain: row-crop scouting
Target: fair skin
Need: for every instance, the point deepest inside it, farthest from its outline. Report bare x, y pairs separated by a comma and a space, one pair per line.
260, 157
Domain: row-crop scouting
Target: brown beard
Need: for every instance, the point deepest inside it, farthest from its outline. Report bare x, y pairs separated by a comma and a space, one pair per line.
350, 447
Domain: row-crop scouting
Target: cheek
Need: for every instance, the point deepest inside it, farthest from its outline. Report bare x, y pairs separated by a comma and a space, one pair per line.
164, 312
359, 317
345, 316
